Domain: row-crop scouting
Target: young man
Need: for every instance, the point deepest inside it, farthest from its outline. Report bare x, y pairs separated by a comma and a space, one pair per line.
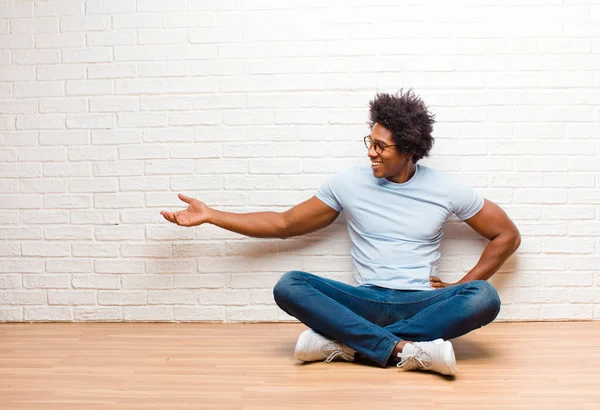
400, 312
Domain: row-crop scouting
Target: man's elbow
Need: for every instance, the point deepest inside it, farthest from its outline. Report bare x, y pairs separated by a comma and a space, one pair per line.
515, 240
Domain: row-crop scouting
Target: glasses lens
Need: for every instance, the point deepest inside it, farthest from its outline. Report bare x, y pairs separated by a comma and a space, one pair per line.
376, 144
378, 147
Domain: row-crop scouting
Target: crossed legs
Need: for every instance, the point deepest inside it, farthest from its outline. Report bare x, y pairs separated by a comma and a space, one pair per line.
377, 322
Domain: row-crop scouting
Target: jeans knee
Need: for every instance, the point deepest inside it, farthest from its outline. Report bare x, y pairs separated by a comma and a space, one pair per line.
283, 290
487, 302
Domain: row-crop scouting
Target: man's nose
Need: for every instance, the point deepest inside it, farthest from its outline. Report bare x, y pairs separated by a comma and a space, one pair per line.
372, 153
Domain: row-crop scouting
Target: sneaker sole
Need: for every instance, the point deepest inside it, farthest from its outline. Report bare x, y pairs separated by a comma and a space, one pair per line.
450, 368
300, 347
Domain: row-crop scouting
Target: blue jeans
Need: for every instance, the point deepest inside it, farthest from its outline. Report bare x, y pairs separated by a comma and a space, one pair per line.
372, 320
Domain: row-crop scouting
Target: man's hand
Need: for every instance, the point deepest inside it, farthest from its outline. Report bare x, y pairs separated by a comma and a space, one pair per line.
195, 214
437, 283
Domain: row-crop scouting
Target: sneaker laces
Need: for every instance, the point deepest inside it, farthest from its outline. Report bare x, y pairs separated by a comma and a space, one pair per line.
333, 350
420, 358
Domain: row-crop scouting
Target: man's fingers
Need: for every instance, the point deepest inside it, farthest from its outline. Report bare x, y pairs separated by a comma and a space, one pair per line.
436, 282
177, 218
168, 216
185, 199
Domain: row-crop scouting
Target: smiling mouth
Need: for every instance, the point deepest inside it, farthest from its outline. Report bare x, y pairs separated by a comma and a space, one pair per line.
375, 164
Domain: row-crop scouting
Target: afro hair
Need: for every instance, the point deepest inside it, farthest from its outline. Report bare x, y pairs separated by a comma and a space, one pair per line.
409, 120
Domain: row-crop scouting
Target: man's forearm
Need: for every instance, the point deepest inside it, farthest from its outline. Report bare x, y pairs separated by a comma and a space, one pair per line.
493, 256
255, 224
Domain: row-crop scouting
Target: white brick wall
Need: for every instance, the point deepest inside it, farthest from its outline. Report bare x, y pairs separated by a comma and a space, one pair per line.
109, 108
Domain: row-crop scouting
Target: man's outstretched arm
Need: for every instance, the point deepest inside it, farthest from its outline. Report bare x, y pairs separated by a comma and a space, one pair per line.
492, 223
307, 217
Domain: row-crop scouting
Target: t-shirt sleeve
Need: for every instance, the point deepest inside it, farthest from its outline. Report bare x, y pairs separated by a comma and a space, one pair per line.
326, 193
465, 201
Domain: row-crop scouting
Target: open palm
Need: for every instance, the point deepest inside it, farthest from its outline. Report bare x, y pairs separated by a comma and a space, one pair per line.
195, 214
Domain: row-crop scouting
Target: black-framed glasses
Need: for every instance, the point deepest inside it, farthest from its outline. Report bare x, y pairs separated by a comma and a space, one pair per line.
378, 145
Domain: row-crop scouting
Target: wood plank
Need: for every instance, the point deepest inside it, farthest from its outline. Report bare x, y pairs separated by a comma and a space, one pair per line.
251, 366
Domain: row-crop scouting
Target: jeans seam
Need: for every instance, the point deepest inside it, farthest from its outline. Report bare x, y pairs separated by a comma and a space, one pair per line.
434, 294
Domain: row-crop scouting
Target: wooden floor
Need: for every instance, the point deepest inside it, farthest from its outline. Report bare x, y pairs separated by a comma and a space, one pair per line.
251, 367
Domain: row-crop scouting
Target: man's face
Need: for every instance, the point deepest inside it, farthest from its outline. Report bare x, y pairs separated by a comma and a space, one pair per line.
389, 163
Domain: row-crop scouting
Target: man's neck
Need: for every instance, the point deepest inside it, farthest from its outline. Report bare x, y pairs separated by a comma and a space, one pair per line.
405, 174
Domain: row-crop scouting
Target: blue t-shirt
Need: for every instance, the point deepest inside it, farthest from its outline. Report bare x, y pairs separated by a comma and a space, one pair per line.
396, 229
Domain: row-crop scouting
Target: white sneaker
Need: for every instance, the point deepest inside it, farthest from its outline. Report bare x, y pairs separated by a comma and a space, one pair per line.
312, 346
436, 356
